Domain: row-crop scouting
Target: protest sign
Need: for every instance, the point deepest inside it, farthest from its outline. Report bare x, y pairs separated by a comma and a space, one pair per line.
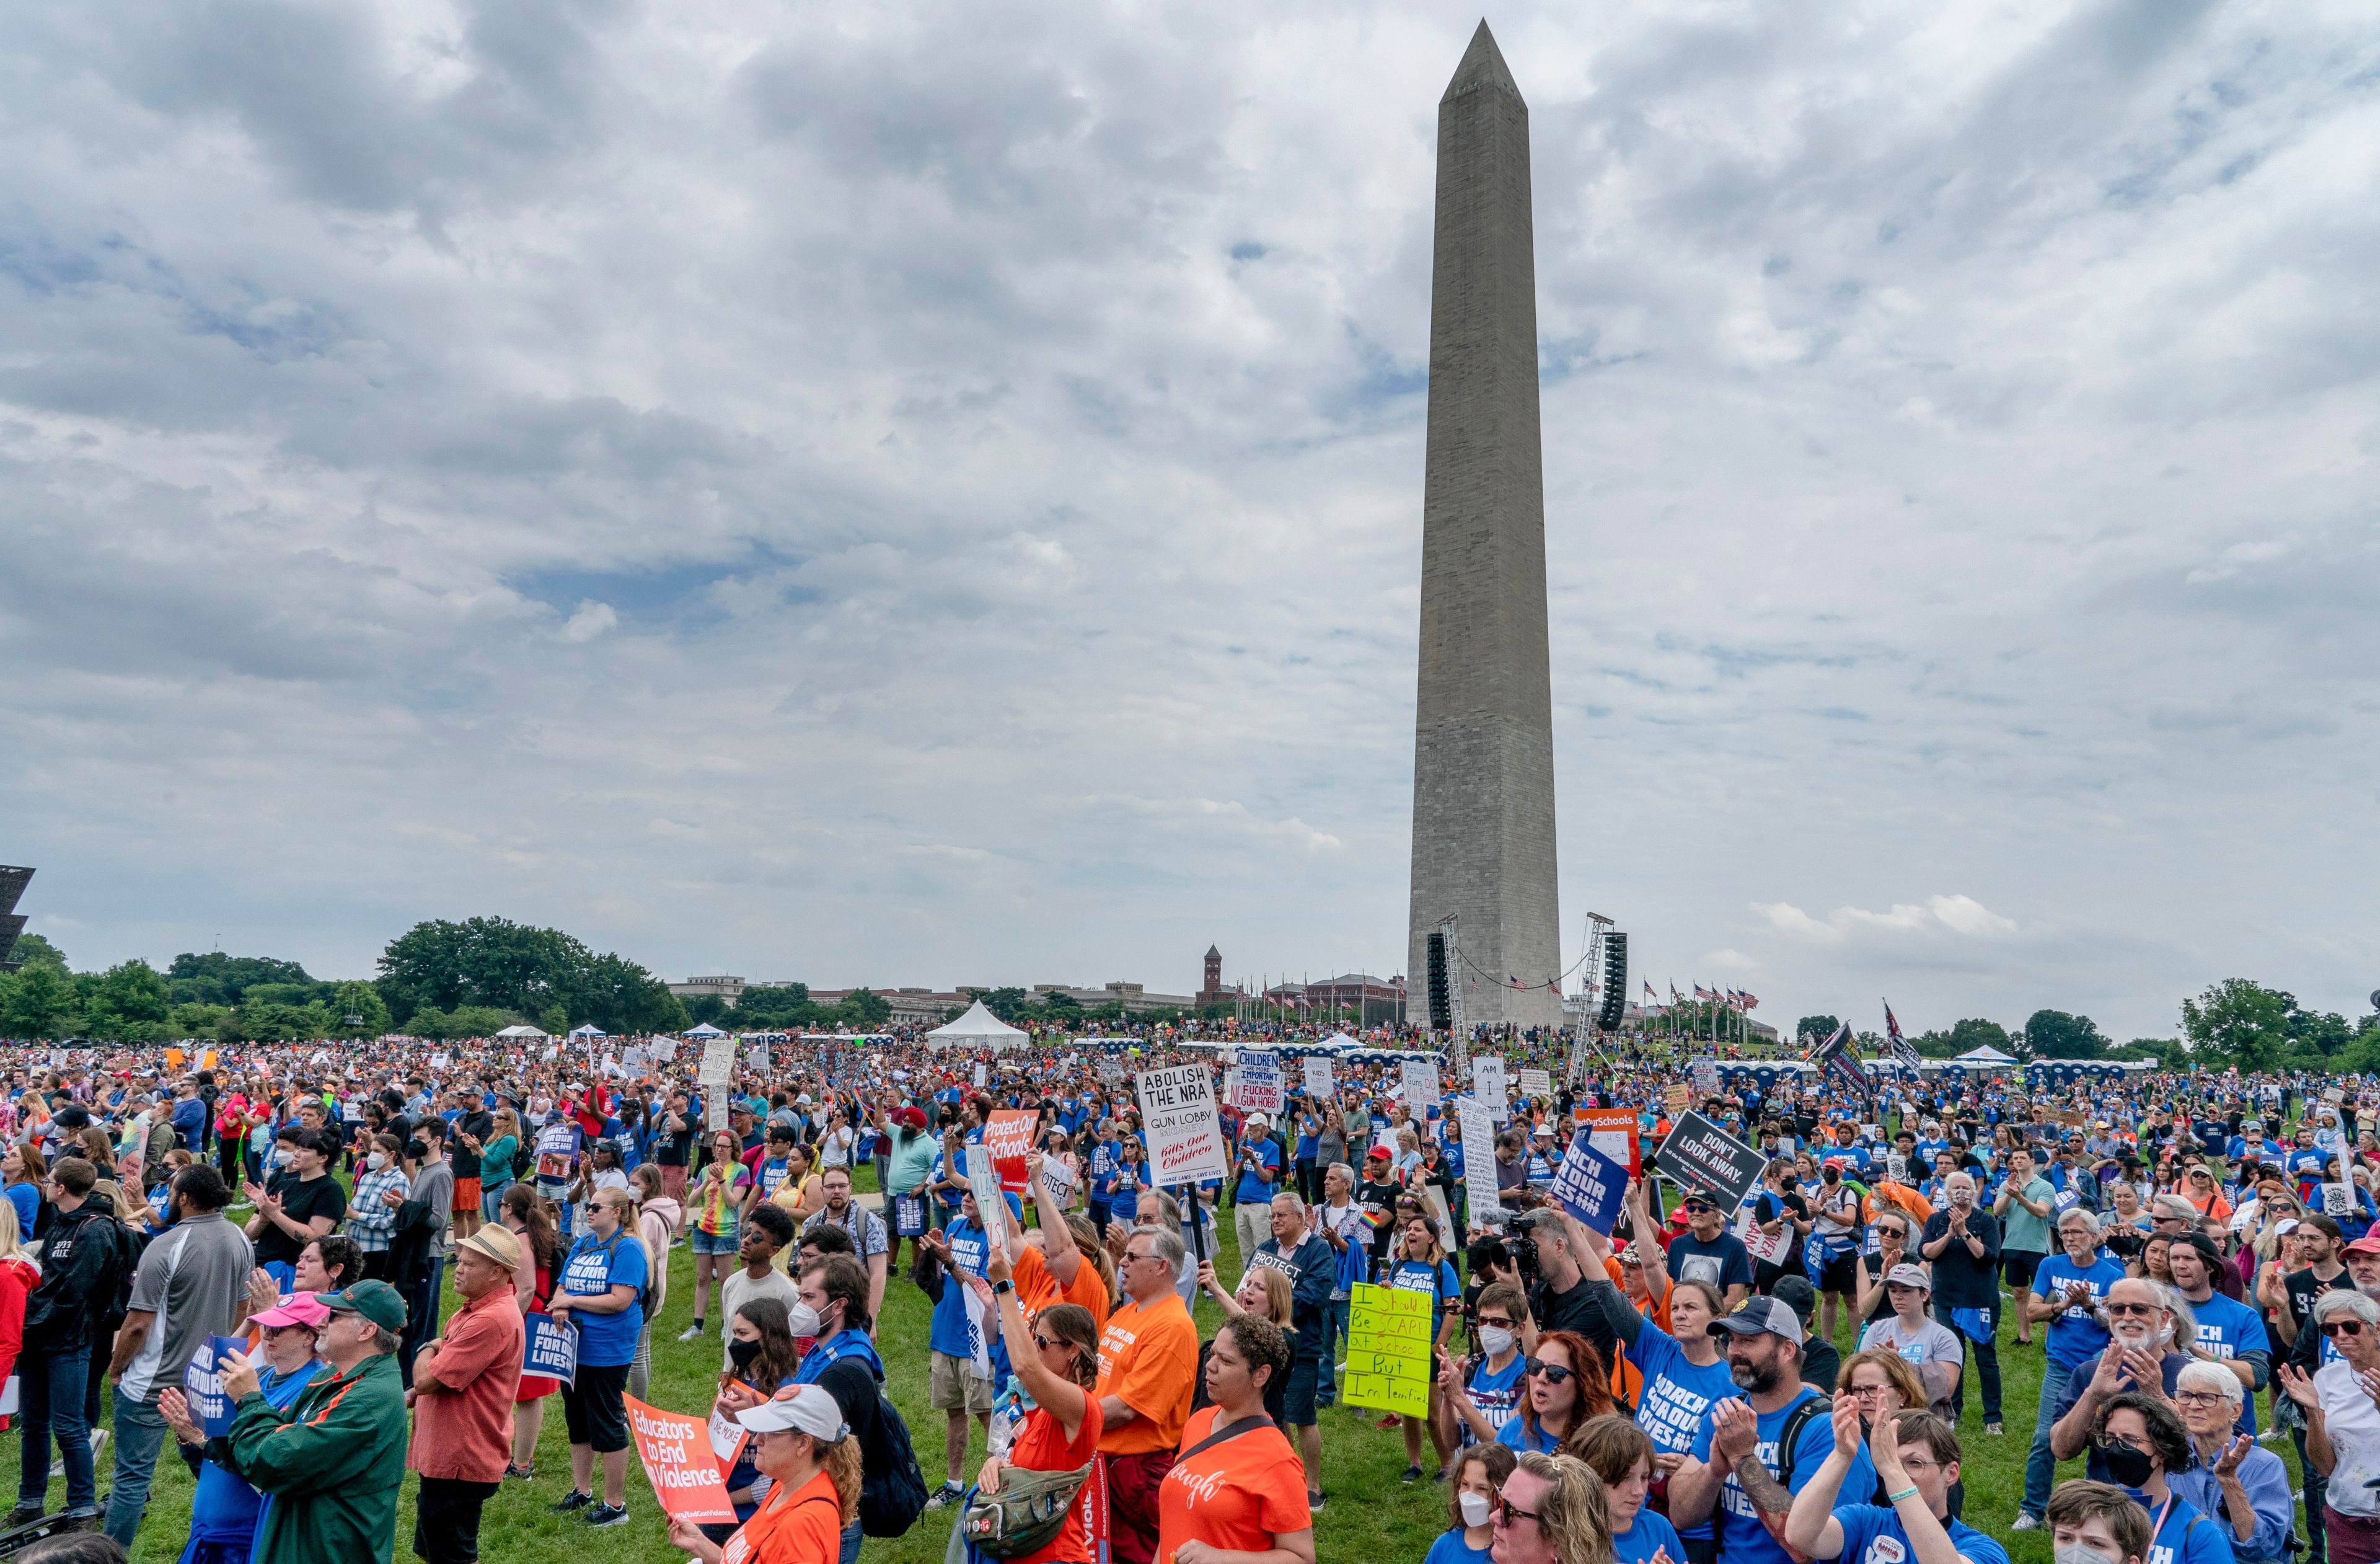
1590, 1184
991, 1199
982, 1075
1706, 1159
1706, 1077
1537, 1083
211, 1407
1613, 1131
1421, 1088
1388, 1349
1184, 1136
1487, 1086
1767, 1248
665, 1049
727, 1440
1478, 1158
551, 1349
1261, 1083
717, 1062
1007, 1137
756, 1055
1318, 1077
1061, 1182
677, 1450
1677, 1097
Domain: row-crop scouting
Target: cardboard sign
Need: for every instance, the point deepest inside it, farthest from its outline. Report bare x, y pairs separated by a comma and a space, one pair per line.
1388, 1349
1007, 1137
1706, 1077
676, 1451
551, 1349
1613, 1132
1317, 1075
1537, 1083
1478, 1158
1420, 1088
728, 1438
1591, 1184
718, 1061
210, 1408
1261, 1088
1487, 1086
1677, 1097
1184, 1136
1767, 1248
1706, 1160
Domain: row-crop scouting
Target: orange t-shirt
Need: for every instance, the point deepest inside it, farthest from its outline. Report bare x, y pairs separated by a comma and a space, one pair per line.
795, 1528
1148, 1360
1037, 1287
1088, 1290
1043, 1446
1237, 1497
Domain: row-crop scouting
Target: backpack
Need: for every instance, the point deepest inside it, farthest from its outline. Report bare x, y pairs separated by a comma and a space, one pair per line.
1789, 1438
891, 1488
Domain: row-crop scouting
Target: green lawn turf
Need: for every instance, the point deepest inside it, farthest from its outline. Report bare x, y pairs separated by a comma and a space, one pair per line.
1371, 1516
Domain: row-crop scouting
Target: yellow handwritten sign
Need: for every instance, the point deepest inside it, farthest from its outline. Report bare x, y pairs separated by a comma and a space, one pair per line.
1389, 1350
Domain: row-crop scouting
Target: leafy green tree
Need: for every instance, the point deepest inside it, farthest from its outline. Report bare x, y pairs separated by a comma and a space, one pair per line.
705, 1007
267, 1022
132, 991
2053, 1033
216, 978
863, 1011
31, 947
786, 1009
2240, 1021
1009, 1004
199, 1021
1819, 1027
553, 1021
41, 1003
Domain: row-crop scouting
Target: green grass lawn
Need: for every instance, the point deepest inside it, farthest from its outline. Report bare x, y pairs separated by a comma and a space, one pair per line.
1371, 1515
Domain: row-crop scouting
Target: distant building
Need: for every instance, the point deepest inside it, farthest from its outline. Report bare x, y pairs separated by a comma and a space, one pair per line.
1132, 996
1213, 992
727, 990
1377, 1002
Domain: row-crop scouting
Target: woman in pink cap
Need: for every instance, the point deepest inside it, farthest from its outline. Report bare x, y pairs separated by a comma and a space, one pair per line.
225, 1511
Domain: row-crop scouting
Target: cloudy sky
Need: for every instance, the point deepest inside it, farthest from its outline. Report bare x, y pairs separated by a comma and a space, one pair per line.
930, 493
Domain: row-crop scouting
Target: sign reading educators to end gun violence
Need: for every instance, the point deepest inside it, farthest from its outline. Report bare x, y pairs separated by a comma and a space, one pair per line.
1706, 1160
1388, 1349
1185, 1139
676, 1451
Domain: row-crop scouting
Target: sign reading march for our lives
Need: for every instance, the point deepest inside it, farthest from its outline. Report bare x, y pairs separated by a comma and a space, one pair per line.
1706, 1159
1590, 1184
1185, 1137
551, 1350
211, 1408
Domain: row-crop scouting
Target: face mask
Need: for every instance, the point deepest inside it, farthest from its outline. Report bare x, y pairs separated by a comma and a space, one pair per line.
376, 1162
1494, 1340
742, 1354
419, 1151
2075, 1553
1476, 1507
2126, 1465
803, 1320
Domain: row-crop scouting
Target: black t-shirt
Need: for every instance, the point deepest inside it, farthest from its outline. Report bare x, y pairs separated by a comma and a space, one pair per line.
302, 1201
1575, 1310
1821, 1362
2304, 1288
466, 1161
1378, 1197
675, 1149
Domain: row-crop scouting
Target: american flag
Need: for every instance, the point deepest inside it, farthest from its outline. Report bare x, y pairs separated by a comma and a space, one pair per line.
1703, 993
1649, 994
1904, 1053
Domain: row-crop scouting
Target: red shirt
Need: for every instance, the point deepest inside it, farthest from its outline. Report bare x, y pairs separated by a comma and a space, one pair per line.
463, 1410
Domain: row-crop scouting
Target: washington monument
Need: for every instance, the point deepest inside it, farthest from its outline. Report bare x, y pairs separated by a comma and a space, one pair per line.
1483, 836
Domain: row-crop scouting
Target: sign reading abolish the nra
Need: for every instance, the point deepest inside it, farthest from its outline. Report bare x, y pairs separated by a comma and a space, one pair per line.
1706, 1160
1185, 1138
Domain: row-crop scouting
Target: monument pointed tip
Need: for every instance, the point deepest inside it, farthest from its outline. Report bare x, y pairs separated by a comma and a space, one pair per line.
1483, 66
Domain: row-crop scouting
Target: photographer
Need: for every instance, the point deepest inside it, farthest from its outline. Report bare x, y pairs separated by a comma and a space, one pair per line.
1562, 1294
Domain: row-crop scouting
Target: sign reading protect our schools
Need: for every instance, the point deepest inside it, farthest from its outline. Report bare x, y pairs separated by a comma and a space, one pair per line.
1388, 1349
1184, 1136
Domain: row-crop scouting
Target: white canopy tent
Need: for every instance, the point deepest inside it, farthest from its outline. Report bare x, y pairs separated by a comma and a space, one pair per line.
1986, 1055
526, 1034
705, 1030
979, 1028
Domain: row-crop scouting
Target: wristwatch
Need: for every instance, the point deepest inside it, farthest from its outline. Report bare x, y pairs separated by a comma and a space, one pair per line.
1000, 1289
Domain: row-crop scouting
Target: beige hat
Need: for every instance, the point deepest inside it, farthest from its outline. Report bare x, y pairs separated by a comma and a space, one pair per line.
496, 1244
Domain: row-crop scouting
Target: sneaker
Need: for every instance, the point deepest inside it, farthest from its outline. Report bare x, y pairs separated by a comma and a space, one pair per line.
1413, 1475
2025, 1524
523, 1473
692, 1332
1315, 1502
1994, 1429
23, 1515
1392, 1421
607, 1515
573, 1500
946, 1496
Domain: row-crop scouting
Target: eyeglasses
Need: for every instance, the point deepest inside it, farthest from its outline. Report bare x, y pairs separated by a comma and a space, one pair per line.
2198, 1398
1551, 1373
2144, 1310
1868, 1392
2343, 1327
1506, 1513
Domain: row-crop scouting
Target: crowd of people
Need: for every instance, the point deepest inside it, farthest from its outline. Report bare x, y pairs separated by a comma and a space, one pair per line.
367, 1245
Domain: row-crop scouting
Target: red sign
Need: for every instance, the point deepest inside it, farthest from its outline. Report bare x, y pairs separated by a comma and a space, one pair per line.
1007, 1137
1609, 1126
677, 1456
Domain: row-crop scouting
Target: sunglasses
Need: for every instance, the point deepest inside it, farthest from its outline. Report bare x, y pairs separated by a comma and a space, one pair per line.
1045, 1343
2144, 1310
2343, 1327
1551, 1373
1506, 1513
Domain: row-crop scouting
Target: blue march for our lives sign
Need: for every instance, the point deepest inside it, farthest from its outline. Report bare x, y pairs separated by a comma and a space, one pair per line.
211, 1408
1590, 1184
551, 1350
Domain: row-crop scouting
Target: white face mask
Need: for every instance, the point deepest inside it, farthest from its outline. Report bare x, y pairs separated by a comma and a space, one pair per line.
376, 1162
1476, 1507
2075, 1553
1494, 1340
803, 1320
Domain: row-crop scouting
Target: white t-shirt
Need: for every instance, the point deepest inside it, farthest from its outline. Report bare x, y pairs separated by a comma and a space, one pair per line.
2354, 1427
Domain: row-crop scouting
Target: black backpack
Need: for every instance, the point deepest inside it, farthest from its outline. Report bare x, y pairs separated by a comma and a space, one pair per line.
891, 1488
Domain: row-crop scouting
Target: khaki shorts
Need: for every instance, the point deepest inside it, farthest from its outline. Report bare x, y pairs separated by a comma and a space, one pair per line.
952, 1385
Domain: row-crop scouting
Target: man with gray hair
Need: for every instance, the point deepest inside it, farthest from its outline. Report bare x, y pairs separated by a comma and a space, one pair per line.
1311, 1268
2148, 1327
1338, 1221
1962, 1243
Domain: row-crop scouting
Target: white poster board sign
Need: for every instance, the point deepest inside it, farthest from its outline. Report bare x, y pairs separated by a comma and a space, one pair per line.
718, 1061
1317, 1075
1487, 1086
1537, 1083
1420, 1088
1478, 1157
1184, 1136
1261, 1088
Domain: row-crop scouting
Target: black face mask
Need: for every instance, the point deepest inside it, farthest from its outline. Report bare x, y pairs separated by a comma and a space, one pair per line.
2126, 1465
416, 1151
743, 1353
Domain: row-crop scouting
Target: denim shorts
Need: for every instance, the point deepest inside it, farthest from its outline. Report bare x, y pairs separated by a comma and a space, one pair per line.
713, 1243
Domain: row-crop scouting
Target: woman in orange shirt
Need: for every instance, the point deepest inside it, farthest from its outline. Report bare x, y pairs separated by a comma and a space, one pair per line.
1056, 1357
802, 1444
1236, 1495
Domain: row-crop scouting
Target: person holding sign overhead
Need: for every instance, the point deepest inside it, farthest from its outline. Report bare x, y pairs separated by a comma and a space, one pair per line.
462, 1399
223, 1512
1149, 1358
603, 1283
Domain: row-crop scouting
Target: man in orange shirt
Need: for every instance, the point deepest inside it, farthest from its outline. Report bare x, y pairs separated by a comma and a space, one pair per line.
1149, 1370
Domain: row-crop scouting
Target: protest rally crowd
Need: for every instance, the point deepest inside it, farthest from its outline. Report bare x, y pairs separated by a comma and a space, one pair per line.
1599, 1297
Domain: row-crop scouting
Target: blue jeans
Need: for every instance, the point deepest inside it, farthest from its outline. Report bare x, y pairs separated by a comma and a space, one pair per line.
50, 1395
1334, 1331
140, 1429
492, 1201
850, 1545
421, 1317
2040, 1465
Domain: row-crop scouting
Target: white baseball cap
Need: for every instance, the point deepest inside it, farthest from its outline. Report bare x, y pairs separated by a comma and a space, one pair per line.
809, 1410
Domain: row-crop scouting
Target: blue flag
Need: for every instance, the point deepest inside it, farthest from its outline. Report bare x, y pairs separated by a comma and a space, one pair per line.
1590, 1185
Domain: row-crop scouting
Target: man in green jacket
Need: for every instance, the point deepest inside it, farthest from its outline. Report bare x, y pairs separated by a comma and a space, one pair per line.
335, 1458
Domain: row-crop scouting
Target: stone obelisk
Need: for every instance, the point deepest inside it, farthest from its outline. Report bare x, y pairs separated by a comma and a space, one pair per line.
1483, 833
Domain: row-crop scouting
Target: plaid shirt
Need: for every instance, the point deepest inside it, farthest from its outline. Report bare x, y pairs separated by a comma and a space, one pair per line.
371, 1222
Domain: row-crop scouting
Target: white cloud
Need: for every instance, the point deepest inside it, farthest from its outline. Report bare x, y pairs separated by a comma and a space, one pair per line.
592, 619
1935, 915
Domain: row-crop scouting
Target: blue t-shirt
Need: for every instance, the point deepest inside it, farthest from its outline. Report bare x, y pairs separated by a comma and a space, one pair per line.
594, 1267
1252, 1190
1497, 1396
1439, 1281
2073, 1333
1104, 1160
1450, 1548
1867, 1525
2226, 1329
1678, 1397
1647, 1534
1516, 1436
949, 1334
26, 1198
2180, 1542
1743, 1538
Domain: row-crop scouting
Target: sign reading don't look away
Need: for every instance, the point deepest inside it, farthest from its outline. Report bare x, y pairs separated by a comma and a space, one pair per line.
1185, 1138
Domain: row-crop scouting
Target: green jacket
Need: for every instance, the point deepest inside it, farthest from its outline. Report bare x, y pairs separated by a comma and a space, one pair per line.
332, 1463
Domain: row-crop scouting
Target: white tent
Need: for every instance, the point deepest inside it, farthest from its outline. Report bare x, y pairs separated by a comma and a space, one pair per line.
979, 1028
704, 1030
527, 1034
590, 1030
1986, 1055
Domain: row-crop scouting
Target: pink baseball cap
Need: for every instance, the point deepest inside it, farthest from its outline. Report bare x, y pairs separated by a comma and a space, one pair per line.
299, 1308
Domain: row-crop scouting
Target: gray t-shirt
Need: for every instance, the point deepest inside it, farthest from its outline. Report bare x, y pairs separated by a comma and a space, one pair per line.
192, 1277
434, 1187
1932, 1346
